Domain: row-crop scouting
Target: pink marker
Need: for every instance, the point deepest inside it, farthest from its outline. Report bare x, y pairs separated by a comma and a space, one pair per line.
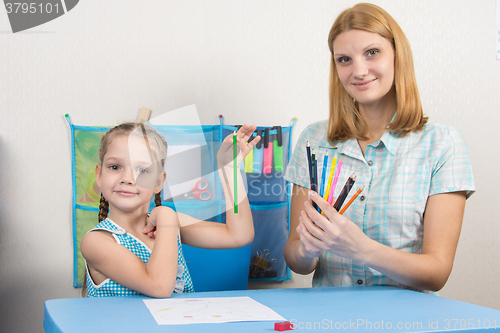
335, 179
267, 163
268, 159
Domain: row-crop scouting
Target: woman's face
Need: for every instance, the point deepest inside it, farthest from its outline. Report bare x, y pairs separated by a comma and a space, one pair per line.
365, 66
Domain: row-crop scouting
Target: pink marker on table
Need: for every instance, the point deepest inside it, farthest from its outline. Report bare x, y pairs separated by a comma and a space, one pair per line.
335, 179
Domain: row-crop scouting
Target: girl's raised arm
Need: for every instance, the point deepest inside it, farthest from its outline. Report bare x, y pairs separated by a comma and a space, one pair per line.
238, 230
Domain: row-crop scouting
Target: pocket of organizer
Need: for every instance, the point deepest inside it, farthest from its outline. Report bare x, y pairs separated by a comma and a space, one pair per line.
86, 218
271, 235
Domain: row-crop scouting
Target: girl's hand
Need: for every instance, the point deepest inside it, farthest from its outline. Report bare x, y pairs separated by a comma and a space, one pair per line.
330, 232
225, 155
151, 233
162, 215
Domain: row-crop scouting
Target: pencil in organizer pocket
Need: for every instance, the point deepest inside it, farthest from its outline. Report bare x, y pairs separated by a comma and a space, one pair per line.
330, 177
335, 179
345, 192
267, 164
258, 155
278, 149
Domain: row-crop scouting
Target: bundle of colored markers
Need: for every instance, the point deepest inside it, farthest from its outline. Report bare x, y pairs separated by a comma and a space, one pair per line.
327, 186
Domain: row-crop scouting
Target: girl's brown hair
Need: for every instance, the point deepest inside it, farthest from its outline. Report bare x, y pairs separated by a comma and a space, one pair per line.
345, 120
160, 148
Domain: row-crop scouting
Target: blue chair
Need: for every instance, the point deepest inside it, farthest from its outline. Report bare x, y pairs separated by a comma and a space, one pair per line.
218, 270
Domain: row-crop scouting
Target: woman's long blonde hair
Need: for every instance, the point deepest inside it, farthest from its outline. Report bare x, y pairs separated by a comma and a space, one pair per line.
345, 120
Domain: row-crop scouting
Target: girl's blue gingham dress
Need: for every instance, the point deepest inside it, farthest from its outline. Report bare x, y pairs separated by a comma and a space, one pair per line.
109, 287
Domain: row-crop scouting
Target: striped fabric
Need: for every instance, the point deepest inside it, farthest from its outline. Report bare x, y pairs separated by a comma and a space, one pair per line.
110, 288
399, 174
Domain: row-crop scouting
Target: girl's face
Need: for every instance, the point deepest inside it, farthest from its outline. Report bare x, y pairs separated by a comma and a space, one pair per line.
365, 66
128, 177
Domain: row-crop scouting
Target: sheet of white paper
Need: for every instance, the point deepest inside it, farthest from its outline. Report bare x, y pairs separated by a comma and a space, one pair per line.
183, 311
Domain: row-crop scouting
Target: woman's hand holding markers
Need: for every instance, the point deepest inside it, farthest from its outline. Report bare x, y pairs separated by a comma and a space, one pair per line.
330, 232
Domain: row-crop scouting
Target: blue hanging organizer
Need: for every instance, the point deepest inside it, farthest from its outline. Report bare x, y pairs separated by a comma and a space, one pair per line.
269, 195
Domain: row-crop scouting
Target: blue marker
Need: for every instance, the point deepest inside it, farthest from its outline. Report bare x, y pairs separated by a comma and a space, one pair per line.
323, 174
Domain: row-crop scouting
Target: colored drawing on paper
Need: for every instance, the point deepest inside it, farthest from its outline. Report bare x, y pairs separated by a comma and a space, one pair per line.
209, 310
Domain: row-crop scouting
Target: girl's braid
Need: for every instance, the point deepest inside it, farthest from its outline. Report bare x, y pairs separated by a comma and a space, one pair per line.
158, 199
103, 209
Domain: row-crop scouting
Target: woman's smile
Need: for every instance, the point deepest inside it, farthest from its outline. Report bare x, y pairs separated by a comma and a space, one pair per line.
363, 85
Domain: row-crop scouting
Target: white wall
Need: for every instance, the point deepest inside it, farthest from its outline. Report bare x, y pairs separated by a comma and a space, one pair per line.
261, 62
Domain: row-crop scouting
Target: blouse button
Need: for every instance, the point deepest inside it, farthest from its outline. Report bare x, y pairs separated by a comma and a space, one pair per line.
360, 282
362, 198
370, 163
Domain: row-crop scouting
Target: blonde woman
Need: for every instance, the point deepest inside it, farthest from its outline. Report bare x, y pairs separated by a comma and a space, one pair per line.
403, 229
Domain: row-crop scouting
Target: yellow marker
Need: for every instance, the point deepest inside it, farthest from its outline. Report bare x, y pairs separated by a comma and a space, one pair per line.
330, 177
249, 162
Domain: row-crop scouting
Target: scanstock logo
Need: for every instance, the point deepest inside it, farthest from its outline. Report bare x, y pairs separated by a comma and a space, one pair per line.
28, 14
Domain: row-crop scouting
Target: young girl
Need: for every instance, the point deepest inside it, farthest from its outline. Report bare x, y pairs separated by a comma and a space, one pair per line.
404, 228
130, 252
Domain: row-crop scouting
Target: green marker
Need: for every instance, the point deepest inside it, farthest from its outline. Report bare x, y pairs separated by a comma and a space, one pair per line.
235, 169
278, 156
278, 149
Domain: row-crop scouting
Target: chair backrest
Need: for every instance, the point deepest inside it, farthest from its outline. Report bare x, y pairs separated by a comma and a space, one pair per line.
218, 270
